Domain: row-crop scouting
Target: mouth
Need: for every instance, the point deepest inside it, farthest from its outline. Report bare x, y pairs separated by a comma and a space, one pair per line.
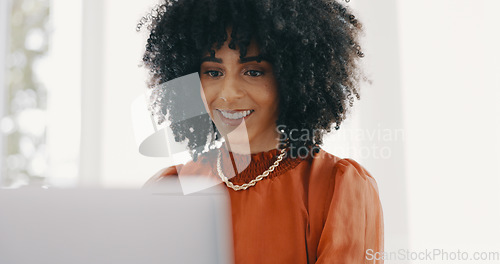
234, 117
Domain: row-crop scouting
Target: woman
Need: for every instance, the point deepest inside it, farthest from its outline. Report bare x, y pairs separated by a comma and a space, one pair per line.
275, 76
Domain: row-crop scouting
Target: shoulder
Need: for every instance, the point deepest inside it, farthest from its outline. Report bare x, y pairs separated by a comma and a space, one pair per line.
341, 171
163, 175
345, 185
340, 165
340, 189
199, 167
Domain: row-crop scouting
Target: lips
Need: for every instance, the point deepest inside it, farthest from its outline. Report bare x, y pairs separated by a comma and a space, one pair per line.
234, 117
235, 114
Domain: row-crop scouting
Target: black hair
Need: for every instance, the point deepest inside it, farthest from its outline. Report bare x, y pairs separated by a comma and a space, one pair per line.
312, 45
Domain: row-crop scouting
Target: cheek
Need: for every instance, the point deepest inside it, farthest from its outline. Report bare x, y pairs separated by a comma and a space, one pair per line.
206, 93
270, 97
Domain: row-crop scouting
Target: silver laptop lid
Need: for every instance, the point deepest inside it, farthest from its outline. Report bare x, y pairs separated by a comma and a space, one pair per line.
114, 226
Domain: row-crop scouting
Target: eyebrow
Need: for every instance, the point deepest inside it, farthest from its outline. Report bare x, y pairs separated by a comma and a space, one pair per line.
241, 60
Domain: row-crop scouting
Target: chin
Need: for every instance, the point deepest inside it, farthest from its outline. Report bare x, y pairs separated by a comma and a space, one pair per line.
237, 137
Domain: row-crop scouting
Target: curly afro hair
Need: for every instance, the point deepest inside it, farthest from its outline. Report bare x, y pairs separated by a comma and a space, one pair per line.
312, 45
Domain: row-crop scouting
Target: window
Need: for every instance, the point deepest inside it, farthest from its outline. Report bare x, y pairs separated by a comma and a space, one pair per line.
40, 116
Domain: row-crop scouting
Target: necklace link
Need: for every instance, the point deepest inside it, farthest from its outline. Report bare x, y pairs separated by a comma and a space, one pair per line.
252, 182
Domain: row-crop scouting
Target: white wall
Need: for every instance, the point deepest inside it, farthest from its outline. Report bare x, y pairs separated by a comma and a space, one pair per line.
121, 163
61, 72
450, 68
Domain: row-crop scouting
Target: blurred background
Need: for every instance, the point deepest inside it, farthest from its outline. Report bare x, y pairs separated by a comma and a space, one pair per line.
427, 127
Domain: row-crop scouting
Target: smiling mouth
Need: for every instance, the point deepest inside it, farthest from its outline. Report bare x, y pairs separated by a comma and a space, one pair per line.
235, 115
233, 118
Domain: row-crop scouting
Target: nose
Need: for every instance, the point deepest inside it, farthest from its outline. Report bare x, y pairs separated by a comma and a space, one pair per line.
231, 88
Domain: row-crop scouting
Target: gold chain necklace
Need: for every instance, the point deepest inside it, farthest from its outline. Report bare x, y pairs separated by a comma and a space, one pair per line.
252, 182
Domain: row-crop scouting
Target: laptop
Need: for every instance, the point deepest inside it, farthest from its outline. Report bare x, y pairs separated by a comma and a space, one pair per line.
103, 226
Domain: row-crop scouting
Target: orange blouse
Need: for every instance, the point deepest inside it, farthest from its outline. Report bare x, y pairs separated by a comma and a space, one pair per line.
308, 210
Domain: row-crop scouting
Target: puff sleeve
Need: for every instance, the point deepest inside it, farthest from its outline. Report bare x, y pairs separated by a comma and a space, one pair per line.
353, 217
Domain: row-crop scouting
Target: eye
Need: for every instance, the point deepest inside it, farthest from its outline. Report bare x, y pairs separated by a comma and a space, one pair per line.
213, 74
254, 73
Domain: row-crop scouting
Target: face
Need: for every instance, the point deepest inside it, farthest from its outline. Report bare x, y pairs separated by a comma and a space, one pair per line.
241, 97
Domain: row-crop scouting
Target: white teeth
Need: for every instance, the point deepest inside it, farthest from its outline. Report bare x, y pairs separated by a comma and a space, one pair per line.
237, 115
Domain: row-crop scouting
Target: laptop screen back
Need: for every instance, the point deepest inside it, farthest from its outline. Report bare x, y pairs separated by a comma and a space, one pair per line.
113, 226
